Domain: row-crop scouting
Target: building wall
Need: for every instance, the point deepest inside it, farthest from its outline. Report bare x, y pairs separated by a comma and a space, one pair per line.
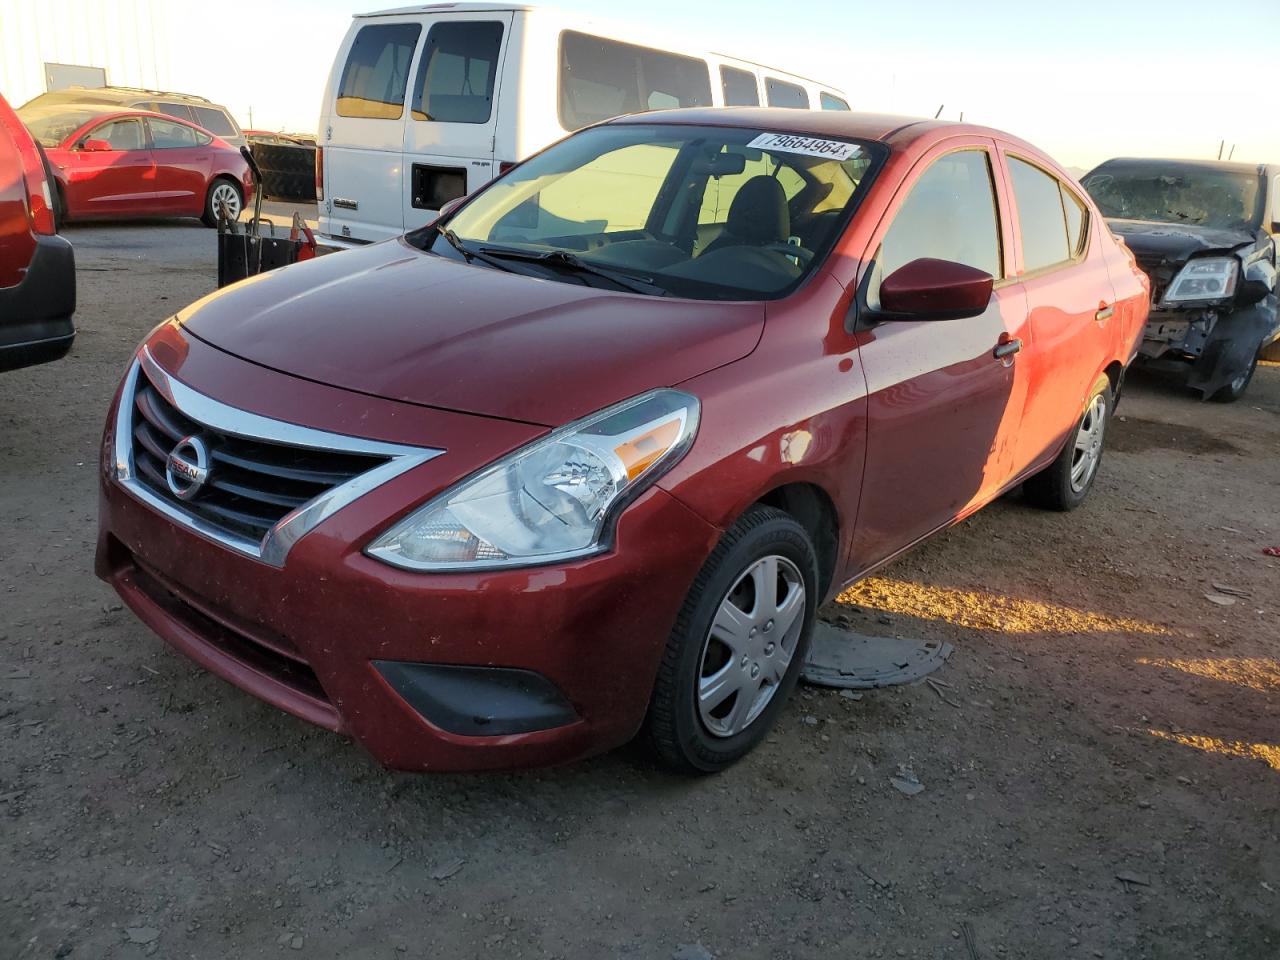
129, 38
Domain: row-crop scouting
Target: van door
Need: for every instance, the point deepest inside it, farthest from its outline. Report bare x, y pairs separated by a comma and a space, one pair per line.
364, 135
453, 112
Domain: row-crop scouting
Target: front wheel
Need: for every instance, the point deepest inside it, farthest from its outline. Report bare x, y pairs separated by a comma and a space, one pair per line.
1234, 390
1064, 484
738, 645
222, 192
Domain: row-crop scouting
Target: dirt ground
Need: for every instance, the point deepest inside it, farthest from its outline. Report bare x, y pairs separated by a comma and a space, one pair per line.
1101, 720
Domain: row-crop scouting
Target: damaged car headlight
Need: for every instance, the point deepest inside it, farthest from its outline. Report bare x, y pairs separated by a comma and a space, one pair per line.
1208, 278
553, 500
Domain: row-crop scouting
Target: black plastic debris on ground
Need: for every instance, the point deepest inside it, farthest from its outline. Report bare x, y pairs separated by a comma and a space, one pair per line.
855, 661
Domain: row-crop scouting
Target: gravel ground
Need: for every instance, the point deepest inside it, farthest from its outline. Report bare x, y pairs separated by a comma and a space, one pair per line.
1100, 771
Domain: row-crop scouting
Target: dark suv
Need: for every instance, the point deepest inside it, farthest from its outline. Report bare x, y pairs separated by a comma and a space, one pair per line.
203, 113
1205, 233
37, 267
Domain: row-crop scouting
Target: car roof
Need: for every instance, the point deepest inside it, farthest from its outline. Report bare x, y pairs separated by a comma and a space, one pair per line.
462, 7
120, 95
895, 130
1223, 165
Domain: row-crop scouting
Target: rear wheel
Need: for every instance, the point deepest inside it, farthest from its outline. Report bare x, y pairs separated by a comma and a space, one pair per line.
1064, 484
222, 191
738, 645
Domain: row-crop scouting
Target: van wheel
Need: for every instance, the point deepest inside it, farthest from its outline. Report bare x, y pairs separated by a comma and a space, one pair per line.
1064, 484
221, 191
739, 642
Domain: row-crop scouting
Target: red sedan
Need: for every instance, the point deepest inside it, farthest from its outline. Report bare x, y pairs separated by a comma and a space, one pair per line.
112, 164
585, 456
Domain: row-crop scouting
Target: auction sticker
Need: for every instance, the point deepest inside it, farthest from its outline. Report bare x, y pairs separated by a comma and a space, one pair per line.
810, 146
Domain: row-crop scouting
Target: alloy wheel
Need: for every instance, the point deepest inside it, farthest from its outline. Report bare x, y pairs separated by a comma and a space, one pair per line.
750, 645
1088, 446
226, 194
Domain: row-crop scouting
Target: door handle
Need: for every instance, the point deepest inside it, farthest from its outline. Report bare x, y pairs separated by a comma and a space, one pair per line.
1105, 313
1007, 348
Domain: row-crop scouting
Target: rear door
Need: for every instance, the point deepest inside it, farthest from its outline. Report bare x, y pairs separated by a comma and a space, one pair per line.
182, 158
453, 111
115, 182
364, 136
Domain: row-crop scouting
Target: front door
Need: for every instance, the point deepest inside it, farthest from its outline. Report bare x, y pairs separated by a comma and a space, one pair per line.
118, 181
453, 112
945, 398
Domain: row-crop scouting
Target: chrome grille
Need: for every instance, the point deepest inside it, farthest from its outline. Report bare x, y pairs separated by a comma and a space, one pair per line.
268, 482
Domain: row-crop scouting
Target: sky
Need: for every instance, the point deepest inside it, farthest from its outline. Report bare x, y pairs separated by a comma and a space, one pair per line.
1084, 81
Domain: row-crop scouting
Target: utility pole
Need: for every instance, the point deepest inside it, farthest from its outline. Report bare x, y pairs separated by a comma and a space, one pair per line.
939, 113
1221, 144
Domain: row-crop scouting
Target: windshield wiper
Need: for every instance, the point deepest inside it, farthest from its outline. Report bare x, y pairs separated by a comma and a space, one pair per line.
467, 254
574, 263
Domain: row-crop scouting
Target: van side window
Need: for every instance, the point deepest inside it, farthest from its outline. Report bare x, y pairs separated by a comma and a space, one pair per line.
1052, 220
950, 214
602, 78
783, 94
739, 87
830, 101
458, 71
377, 71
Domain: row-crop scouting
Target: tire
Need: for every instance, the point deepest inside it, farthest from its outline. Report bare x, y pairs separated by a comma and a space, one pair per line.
697, 735
210, 217
1063, 485
1234, 390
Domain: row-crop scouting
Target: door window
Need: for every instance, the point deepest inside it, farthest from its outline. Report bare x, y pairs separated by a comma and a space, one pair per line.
830, 101
215, 121
602, 78
458, 71
739, 87
1051, 217
121, 134
173, 136
376, 74
782, 94
950, 214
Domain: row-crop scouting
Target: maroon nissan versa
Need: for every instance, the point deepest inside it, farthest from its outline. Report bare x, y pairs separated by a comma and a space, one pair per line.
37, 267
584, 457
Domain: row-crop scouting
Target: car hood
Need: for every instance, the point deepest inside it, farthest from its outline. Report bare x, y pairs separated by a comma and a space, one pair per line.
393, 321
1176, 242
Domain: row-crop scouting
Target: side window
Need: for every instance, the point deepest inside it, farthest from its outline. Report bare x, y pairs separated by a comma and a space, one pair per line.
782, 94
739, 87
602, 78
830, 101
377, 71
171, 136
950, 214
215, 121
179, 110
458, 71
121, 134
1051, 219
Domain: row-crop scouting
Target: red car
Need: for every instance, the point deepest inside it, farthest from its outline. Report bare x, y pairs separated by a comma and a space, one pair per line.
111, 164
37, 267
585, 456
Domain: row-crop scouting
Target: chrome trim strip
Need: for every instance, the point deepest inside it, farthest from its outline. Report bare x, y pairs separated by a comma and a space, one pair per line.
279, 540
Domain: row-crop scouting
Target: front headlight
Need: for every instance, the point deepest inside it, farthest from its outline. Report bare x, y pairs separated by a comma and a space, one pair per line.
555, 499
1209, 278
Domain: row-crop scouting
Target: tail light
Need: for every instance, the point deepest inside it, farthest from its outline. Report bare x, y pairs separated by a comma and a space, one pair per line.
505, 165
39, 197
319, 173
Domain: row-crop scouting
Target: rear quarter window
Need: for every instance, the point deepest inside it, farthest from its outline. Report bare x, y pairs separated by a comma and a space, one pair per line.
376, 74
829, 101
215, 121
602, 78
779, 93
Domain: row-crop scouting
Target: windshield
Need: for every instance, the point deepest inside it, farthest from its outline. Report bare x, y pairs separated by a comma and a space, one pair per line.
709, 213
51, 125
1169, 193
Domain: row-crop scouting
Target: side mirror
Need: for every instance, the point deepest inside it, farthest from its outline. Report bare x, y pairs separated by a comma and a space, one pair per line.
96, 146
449, 207
1275, 226
929, 289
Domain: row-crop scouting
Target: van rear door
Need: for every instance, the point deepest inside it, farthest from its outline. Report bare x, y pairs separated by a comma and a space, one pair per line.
453, 111
364, 133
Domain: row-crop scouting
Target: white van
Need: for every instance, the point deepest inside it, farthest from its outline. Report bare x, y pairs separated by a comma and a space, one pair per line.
425, 104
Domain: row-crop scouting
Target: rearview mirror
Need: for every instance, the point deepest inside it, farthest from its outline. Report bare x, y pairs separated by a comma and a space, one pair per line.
96, 146
929, 289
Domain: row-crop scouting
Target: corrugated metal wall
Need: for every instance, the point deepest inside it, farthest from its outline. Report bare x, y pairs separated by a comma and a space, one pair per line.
131, 39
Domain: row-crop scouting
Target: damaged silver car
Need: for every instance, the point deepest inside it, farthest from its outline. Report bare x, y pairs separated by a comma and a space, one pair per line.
1204, 232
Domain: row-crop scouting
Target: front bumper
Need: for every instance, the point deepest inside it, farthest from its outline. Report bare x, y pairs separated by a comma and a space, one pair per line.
307, 636
35, 315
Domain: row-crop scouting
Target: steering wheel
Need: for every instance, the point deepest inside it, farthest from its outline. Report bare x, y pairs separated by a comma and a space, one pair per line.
788, 250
